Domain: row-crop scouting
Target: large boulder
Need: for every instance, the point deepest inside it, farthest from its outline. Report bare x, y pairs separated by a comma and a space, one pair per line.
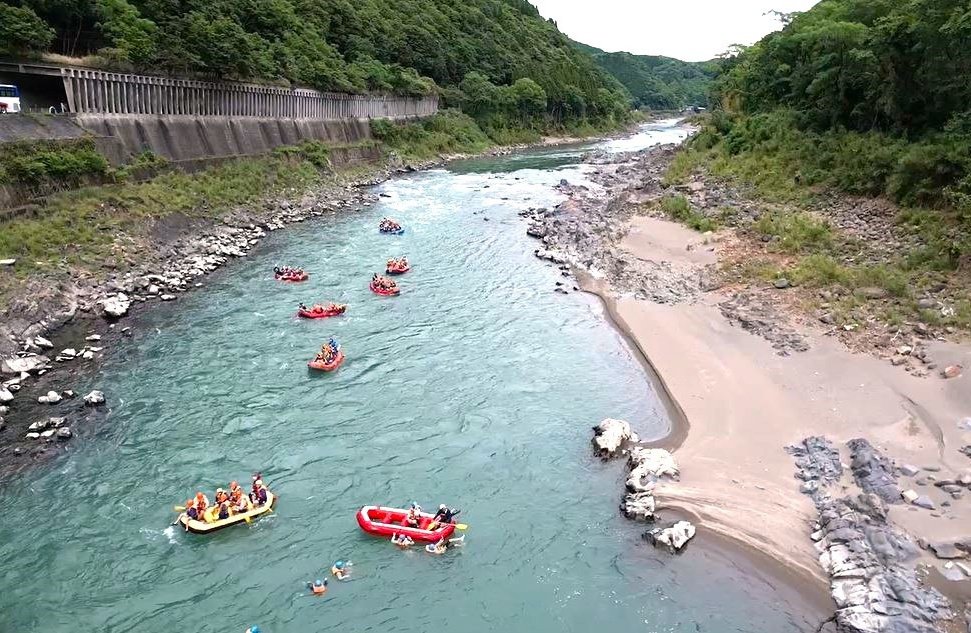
610, 436
675, 537
647, 466
115, 306
94, 398
52, 397
23, 365
5, 395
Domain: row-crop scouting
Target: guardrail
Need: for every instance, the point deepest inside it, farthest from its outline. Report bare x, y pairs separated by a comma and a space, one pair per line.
102, 92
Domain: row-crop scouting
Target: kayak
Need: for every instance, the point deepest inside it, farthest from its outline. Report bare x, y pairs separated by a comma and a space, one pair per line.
300, 277
397, 271
331, 366
382, 521
397, 231
383, 291
203, 527
310, 314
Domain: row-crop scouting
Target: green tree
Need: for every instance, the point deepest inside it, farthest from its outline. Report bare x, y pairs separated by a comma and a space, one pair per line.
132, 36
528, 98
21, 30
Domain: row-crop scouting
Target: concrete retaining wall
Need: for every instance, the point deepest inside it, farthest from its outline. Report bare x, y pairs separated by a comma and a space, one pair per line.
181, 138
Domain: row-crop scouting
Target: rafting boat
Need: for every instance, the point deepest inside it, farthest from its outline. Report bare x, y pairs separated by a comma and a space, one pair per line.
300, 277
331, 366
205, 527
397, 271
398, 231
310, 314
384, 291
382, 521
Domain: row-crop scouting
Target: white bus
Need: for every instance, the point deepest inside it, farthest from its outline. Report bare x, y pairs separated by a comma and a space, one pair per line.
9, 98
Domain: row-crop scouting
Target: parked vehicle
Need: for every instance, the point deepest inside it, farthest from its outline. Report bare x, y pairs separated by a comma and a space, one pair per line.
9, 98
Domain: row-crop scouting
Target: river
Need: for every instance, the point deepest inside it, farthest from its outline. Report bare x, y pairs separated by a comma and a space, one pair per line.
477, 387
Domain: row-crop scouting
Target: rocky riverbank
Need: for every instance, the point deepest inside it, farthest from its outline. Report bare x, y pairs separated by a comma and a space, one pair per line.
754, 373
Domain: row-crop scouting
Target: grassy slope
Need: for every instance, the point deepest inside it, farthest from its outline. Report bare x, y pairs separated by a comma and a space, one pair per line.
803, 246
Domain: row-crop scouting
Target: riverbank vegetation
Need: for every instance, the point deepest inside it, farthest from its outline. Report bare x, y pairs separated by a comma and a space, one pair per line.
62, 163
870, 99
94, 228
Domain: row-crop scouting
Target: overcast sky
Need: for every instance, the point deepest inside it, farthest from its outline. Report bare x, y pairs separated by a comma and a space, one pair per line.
693, 31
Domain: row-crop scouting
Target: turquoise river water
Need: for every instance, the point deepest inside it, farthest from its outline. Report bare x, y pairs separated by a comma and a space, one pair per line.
476, 387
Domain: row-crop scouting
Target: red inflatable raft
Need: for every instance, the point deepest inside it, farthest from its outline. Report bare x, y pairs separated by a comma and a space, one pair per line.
331, 366
397, 271
383, 521
310, 314
384, 291
300, 277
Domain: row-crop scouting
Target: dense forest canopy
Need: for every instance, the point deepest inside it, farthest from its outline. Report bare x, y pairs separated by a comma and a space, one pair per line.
873, 96
656, 82
503, 50
897, 65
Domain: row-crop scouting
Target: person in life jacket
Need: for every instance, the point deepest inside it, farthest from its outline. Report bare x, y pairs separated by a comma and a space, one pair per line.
444, 516
340, 570
238, 501
413, 518
190, 510
402, 540
202, 502
437, 548
318, 587
258, 495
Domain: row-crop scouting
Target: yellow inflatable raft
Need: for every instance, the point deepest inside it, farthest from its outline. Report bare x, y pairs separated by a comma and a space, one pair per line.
205, 527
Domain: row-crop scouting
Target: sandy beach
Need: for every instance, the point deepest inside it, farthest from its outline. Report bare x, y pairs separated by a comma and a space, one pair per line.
744, 404
839, 465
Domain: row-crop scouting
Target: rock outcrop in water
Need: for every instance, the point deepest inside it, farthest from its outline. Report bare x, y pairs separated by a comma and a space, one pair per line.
673, 537
610, 436
870, 562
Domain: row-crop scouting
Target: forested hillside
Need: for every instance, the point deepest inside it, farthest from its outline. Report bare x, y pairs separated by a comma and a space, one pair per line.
512, 65
869, 96
655, 82
843, 143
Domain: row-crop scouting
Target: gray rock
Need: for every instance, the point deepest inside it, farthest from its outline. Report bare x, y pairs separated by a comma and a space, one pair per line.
116, 306
5, 395
23, 365
167, 297
94, 398
64, 433
946, 550
610, 436
924, 501
52, 397
908, 470
40, 341
873, 293
872, 471
964, 424
674, 537
926, 303
782, 283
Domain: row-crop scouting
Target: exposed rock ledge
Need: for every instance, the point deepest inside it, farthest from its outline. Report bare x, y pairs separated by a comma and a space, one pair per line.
648, 468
